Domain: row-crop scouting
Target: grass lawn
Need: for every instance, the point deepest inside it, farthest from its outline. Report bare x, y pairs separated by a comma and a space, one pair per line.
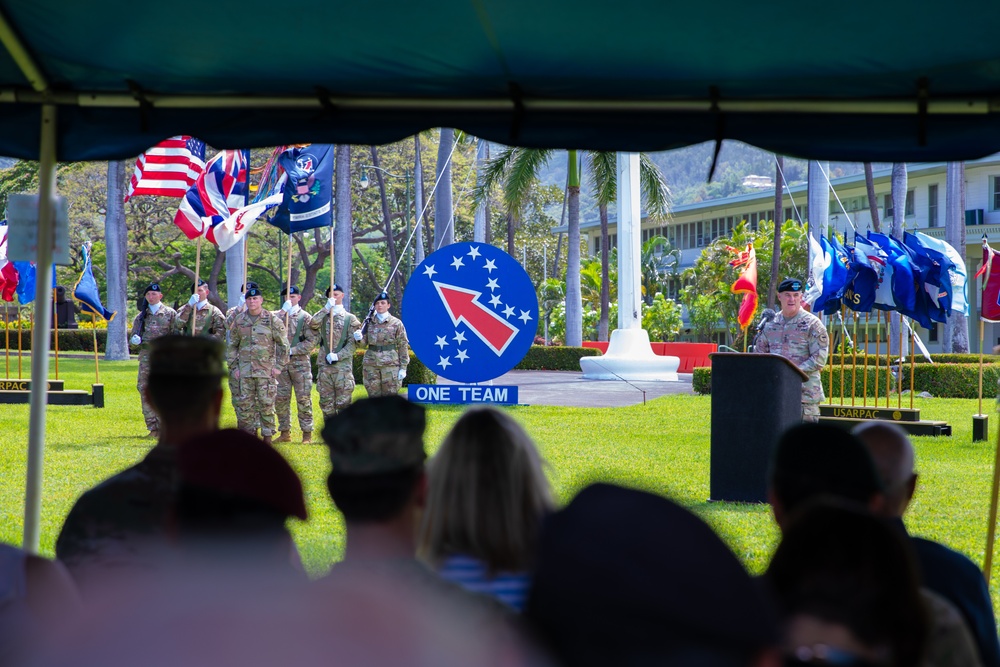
662, 446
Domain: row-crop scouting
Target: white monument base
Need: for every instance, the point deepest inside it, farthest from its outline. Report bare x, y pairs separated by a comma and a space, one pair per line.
630, 357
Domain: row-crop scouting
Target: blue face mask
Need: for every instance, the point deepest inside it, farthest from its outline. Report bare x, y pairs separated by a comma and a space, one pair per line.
382, 317
155, 308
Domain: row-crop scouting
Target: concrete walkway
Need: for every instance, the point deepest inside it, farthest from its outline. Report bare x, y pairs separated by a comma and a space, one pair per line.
569, 389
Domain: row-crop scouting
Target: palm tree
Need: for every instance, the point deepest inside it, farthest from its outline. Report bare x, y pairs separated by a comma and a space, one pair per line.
116, 242
956, 330
653, 268
515, 171
444, 228
898, 223
779, 209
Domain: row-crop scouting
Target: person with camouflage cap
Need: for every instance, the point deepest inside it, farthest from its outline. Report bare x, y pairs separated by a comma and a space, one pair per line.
336, 364
155, 319
207, 318
800, 337
258, 351
297, 374
120, 525
388, 353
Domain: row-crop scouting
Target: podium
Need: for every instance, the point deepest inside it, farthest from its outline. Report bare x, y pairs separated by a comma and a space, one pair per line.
755, 398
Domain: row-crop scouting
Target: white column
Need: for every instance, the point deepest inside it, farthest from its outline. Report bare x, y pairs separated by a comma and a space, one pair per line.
629, 242
479, 220
234, 272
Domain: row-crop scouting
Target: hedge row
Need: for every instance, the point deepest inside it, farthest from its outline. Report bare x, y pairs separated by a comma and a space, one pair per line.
70, 340
416, 372
555, 358
921, 359
940, 380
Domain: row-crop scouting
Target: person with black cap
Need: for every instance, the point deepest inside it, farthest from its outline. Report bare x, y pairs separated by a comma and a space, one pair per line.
800, 337
209, 319
242, 305
297, 374
336, 361
388, 354
258, 351
119, 526
155, 319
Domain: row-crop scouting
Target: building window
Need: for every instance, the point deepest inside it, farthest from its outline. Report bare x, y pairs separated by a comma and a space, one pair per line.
932, 334
909, 204
700, 234
995, 193
932, 205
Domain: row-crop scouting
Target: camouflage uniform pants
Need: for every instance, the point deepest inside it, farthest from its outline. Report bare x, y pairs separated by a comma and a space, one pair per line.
381, 380
254, 405
152, 421
298, 376
810, 412
812, 396
335, 385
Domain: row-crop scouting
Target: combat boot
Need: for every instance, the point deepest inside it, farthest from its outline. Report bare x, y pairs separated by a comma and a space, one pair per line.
267, 440
286, 436
307, 437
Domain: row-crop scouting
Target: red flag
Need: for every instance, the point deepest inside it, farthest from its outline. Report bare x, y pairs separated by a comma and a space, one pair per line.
989, 309
168, 169
8, 274
746, 284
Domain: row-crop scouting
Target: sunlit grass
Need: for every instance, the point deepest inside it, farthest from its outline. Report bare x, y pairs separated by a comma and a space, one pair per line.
662, 446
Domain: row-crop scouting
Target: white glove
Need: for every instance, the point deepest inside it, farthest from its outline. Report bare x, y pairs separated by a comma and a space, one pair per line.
357, 335
332, 357
330, 303
193, 300
287, 306
402, 374
136, 340
243, 299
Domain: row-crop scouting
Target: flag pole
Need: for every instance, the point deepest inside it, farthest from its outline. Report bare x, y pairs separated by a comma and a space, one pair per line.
843, 342
288, 283
19, 349
246, 253
913, 344
6, 328
981, 334
992, 528
899, 374
878, 350
888, 356
197, 277
864, 380
97, 363
854, 360
830, 360
55, 330
329, 347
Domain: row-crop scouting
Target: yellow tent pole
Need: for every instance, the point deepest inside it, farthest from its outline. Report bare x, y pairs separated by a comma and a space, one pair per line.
843, 342
878, 350
854, 360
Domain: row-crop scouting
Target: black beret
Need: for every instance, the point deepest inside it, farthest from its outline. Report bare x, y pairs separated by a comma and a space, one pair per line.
152, 287
201, 283
790, 285
295, 290
382, 296
250, 285
336, 288
254, 291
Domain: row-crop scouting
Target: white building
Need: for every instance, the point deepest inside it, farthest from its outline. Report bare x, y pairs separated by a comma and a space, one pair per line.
694, 226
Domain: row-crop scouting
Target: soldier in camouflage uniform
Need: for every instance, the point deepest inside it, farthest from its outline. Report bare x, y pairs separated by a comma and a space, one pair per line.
388, 353
155, 319
121, 525
800, 337
209, 319
297, 374
234, 384
336, 364
258, 351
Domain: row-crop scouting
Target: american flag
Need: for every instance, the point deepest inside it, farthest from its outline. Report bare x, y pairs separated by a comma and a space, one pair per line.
218, 192
168, 169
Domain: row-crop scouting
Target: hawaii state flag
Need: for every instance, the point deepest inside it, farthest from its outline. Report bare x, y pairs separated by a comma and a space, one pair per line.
990, 272
85, 291
746, 284
218, 193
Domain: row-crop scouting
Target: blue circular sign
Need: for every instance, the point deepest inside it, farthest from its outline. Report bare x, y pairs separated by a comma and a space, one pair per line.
470, 312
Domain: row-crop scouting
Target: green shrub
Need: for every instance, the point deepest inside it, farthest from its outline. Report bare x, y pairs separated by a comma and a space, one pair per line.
702, 380
70, 340
946, 380
555, 358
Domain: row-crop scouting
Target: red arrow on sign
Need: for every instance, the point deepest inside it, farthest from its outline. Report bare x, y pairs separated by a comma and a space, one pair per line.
463, 306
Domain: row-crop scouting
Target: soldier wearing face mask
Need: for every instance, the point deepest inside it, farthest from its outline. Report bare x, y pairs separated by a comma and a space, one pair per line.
388, 352
336, 360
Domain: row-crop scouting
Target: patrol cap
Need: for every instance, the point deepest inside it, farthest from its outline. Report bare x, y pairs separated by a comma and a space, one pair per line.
811, 460
254, 291
790, 285
186, 356
683, 573
336, 288
294, 290
382, 296
152, 287
238, 464
376, 436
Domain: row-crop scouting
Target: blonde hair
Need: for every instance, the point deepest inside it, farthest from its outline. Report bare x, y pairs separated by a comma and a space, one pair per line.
487, 494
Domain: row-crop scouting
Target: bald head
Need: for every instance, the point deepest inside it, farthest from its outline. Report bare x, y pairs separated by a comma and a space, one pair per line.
892, 453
